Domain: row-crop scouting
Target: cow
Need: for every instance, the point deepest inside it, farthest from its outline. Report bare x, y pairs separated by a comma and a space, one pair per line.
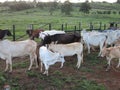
34, 33
62, 38
10, 49
94, 39
48, 58
69, 50
110, 54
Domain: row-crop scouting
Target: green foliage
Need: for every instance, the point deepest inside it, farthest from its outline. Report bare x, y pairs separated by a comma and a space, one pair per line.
88, 85
66, 8
20, 65
2, 79
118, 1
105, 6
52, 7
22, 5
85, 7
31, 74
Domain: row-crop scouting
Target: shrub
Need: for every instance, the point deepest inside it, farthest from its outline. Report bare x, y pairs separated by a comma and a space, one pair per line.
17, 6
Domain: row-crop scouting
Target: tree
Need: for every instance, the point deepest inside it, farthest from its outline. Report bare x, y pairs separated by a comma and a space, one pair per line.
66, 7
53, 6
85, 7
118, 1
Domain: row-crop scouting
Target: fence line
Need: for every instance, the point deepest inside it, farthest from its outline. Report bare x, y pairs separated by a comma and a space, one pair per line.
65, 27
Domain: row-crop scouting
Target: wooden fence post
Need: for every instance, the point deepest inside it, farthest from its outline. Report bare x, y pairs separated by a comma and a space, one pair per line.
49, 26
30, 26
100, 25
79, 25
75, 28
91, 26
13, 32
62, 26
66, 26
104, 26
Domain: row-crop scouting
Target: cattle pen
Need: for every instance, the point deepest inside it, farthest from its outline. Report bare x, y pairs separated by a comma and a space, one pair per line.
90, 76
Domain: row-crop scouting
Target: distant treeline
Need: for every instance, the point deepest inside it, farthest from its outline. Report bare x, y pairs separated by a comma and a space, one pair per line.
98, 7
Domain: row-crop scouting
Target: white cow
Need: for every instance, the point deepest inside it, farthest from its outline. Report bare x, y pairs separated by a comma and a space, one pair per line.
50, 32
69, 50
48, 58
94, 39
112, 36
10, 49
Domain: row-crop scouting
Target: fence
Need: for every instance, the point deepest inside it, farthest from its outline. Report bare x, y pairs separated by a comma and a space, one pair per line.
66, 27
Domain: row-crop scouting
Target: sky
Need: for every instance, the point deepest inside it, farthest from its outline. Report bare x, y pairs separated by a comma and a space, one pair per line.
75, 1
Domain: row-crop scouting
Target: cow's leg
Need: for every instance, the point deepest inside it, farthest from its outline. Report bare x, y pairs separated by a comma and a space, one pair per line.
7, 62
108, 67
41, 66
79, 60
62, 63
118, 63
88, 47
35, 58
82, 56
101, 47
10, 62
46, 69
31, 61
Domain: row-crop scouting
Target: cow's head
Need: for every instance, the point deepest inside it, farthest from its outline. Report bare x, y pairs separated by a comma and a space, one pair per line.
8, 32
105, 52
29, 32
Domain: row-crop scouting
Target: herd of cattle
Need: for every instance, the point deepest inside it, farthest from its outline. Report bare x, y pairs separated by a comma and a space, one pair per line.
56, 44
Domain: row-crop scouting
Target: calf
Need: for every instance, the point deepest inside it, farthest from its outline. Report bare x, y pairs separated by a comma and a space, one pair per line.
10, 49
49, 58
111, 53
69, 50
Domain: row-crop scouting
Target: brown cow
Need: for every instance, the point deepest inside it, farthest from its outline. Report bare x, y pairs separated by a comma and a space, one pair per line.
111, 53
34, 33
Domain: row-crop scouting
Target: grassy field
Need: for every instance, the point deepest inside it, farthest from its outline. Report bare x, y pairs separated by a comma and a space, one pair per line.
39, 18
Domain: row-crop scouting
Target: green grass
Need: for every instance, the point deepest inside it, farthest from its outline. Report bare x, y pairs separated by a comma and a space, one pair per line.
42, 18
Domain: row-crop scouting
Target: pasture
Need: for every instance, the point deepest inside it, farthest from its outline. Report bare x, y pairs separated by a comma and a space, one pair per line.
90, 76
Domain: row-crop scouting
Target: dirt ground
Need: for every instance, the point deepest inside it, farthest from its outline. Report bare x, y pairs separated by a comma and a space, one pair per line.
110, 79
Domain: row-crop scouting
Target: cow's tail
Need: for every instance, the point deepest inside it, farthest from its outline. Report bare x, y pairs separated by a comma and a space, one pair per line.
37, 53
